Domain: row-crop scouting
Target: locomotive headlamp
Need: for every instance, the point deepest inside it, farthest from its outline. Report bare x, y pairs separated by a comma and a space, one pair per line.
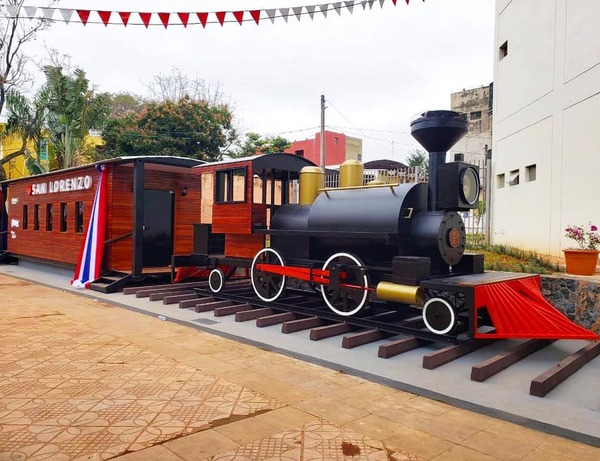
469, 185
458, 186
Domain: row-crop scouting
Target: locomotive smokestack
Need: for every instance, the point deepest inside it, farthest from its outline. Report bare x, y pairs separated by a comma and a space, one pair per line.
437, 131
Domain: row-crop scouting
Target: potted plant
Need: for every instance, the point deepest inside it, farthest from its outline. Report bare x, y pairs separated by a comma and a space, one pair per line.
582, 260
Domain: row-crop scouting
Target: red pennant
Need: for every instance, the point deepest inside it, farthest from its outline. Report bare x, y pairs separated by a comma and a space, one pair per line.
239, 15
202, 17
221, 16
105, 16
84, 15
164, 18
394, 2
184, 17
145, 17
255, 15
124, 17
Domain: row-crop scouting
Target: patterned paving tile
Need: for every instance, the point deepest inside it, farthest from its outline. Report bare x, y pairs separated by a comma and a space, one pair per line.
316, 441
70, 393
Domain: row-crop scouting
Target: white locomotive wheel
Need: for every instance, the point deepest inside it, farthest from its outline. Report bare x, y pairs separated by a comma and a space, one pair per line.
267, 286
439, 316
216, 280
347, 301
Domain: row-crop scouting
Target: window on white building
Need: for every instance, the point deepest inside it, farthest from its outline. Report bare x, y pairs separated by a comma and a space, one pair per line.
530, 173
513, 178
500, 181
503, 51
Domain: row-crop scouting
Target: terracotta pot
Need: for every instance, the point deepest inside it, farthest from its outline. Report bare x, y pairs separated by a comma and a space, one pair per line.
581, 262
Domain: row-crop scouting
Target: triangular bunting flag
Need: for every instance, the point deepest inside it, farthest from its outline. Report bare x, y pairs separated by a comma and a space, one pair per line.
202, 17
66, 14
349, 6
381, 2
271, 15
48, 13
184, 18
285, 12
12, 10
407, 1
394, 2
298, 12
30, 11
221, 16
239, 16
255, 15
145, 17
370, 2
337, 6
323, 9
311, 11
104, 16
84, 15
364, 4
124, 17
164, 18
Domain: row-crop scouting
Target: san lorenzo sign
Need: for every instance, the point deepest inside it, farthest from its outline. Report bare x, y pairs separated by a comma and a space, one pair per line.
61, 185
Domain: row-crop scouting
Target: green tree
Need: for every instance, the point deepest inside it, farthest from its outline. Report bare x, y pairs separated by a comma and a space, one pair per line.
254, 144
187, 128
26, 121
73, 109
418, 158
124, 103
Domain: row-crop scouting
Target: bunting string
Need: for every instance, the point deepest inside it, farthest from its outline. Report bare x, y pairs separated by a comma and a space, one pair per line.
166, 19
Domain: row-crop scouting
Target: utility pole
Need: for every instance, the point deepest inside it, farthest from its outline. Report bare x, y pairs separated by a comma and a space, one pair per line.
323, 133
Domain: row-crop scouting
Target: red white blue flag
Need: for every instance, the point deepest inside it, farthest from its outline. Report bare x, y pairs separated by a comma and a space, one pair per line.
90, 259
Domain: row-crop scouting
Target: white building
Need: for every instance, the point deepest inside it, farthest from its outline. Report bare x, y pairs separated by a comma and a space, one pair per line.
546, 147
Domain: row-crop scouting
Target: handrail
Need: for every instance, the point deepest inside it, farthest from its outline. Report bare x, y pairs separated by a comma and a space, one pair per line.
120, 237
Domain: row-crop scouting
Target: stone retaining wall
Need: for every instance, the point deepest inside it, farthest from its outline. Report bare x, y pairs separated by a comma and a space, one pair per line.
578, 299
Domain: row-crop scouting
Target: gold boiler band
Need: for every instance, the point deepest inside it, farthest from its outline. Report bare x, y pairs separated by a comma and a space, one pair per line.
406, 294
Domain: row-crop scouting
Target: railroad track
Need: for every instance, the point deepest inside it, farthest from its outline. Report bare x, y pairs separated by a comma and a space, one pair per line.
398, 331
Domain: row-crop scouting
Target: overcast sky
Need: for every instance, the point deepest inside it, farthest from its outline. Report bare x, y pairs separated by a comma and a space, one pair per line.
376, 67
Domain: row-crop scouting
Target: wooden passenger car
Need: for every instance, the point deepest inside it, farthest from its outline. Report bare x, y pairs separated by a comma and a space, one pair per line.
152, 204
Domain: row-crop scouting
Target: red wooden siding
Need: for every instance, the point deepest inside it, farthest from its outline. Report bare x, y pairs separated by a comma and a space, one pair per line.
243, 246
62, 247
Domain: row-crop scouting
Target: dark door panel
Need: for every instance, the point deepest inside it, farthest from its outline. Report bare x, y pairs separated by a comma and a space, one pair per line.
158, 228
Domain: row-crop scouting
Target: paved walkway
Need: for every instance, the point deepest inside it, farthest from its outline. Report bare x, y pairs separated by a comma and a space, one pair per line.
84, 380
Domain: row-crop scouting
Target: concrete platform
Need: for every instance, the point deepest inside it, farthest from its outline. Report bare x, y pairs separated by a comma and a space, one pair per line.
398, 416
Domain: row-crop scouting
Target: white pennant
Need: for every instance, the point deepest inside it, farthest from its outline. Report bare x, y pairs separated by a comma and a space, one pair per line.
349, 6
66, 14
298, 12
12, 10
285, 12
311, 11
324, 9
271, 15
30, 11
337, 7
364, 4
47, 12
371, 4
381, 2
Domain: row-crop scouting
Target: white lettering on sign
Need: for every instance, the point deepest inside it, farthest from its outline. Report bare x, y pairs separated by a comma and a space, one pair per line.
62, 185
14, 223
14, 201
13, 234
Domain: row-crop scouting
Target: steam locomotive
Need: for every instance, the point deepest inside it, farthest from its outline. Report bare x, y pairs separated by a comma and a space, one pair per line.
362, 246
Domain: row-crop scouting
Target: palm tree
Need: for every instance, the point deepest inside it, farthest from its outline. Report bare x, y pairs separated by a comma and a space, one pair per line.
26, 121
74, 109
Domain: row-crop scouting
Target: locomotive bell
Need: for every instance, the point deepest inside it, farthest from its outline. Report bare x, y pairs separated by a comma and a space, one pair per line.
453, 186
